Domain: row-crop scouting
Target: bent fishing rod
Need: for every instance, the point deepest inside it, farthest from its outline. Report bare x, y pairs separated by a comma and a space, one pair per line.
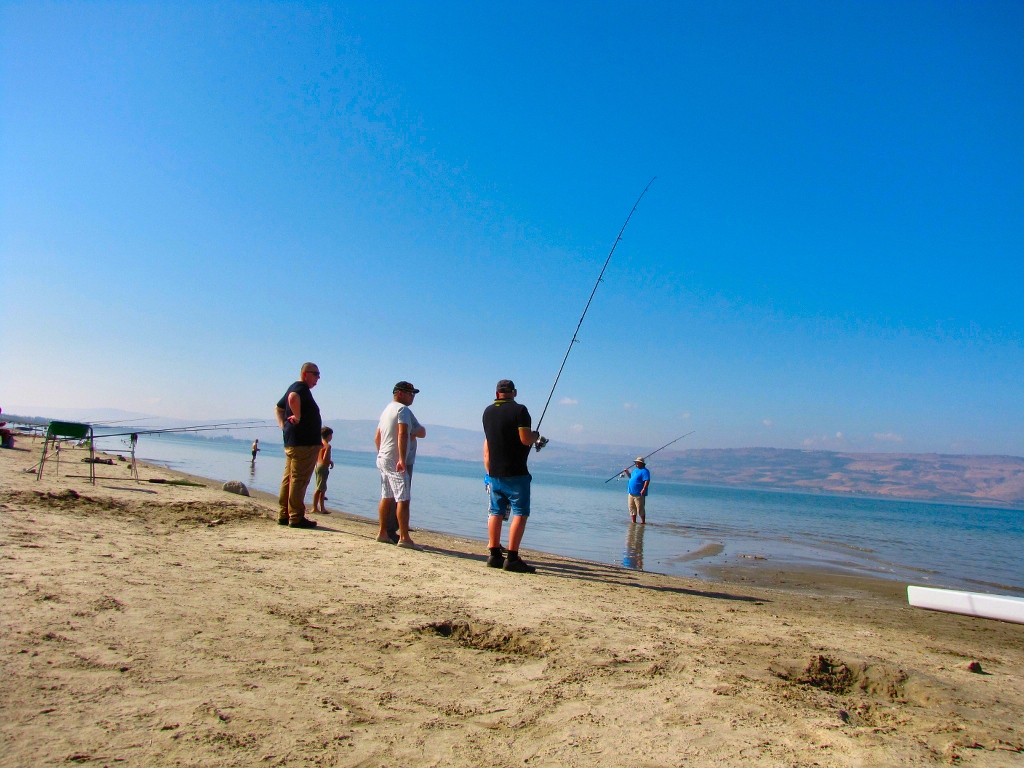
600, 278
666, 445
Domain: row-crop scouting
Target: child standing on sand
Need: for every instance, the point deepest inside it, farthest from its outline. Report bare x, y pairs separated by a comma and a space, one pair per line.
324, 465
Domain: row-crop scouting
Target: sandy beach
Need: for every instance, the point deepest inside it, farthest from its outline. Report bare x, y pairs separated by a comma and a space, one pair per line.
159, 624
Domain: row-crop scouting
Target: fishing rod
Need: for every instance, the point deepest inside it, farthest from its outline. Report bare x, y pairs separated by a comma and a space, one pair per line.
122, 421
666, 445
543, 440
196, 428
252, 424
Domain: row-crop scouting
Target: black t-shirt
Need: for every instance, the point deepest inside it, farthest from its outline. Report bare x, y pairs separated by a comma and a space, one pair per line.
501, 428
307, 431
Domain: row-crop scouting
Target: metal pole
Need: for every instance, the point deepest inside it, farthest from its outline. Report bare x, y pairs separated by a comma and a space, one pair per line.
135, 467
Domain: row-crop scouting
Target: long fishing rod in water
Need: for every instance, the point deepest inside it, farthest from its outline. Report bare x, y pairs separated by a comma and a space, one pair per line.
600, 278
666, 445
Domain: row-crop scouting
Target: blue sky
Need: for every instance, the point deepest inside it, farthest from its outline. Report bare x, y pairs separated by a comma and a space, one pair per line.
194, 199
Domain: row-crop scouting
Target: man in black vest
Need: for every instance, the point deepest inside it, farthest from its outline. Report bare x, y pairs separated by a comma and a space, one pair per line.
299, 418
508, 438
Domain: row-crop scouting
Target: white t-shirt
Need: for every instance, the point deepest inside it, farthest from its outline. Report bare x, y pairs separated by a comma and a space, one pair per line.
393, 415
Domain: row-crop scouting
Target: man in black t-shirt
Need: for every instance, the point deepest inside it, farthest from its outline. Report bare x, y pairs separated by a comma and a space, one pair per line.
508, 438
299, 418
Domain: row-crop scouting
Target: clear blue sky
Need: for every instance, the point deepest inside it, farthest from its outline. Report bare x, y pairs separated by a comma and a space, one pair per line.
196, 198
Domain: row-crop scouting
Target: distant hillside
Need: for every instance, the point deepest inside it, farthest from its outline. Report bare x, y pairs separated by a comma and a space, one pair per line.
930, 477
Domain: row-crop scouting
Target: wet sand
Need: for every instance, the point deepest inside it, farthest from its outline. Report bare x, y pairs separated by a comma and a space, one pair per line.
155, 625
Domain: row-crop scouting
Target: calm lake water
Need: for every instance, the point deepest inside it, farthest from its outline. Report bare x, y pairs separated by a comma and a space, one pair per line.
689, 528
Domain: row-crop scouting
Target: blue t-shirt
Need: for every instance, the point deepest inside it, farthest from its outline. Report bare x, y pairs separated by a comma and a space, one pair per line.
637, 480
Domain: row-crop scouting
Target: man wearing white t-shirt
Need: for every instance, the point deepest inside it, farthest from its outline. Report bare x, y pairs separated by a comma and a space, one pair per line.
410, 459
398, 428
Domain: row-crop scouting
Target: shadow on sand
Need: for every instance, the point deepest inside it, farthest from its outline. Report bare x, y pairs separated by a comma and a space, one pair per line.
603, 574
558, 567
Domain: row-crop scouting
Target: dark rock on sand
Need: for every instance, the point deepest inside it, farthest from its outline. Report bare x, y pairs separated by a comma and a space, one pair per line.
236, 486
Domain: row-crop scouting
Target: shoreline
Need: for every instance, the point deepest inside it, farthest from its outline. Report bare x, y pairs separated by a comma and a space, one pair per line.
773, 574
797, 578
785, 576
769, 574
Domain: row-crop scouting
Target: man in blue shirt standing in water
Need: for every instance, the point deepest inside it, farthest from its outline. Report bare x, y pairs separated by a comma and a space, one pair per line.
639, 481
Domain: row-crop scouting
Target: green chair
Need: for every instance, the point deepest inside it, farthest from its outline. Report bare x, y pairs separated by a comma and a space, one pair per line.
67, 430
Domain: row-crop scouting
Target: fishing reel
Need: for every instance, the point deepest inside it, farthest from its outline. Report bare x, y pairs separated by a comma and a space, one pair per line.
540, 444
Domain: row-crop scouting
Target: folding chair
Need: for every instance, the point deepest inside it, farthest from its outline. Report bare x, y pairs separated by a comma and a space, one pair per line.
68, 430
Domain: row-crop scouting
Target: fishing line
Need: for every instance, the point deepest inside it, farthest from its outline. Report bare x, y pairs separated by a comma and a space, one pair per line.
122, 421
543, 440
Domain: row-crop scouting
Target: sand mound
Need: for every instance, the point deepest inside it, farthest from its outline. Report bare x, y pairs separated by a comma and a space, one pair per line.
175, 513
874, 679
64, 499
489, 637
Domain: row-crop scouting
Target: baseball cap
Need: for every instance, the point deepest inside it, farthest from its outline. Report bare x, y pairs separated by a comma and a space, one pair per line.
405, 386
506, 387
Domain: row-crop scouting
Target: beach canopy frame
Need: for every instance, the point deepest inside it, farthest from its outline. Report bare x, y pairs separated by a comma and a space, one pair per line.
133, 441
67, 430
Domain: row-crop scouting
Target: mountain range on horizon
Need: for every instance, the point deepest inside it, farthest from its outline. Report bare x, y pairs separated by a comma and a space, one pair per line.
975, 479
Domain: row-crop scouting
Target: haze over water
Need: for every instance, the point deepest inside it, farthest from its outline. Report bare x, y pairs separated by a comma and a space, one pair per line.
689, 529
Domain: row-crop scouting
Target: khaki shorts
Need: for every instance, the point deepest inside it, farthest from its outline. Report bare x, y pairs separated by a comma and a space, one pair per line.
636, 505
321, 473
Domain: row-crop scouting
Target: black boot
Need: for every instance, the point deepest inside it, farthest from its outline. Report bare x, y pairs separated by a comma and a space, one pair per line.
497, 559
517, 564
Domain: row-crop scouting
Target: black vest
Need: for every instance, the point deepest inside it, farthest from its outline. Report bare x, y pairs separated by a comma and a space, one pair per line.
307, 431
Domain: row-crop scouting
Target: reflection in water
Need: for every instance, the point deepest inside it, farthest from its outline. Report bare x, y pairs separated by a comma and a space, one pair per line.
633, 554
708, 550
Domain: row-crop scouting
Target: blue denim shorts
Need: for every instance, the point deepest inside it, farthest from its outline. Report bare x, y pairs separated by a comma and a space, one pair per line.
511, 493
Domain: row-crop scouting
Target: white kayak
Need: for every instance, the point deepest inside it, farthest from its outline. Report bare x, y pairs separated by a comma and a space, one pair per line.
1001, 607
